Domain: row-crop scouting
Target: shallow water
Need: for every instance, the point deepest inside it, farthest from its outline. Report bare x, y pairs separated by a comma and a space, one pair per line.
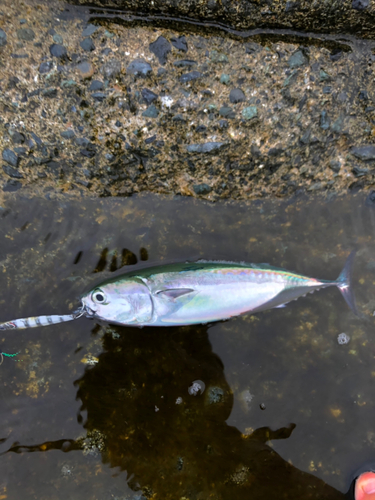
92, 411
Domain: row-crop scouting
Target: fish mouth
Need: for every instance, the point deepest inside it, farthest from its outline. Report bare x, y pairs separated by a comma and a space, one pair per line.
83, 310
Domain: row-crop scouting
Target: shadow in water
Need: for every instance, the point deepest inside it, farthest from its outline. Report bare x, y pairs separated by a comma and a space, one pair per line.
172, 443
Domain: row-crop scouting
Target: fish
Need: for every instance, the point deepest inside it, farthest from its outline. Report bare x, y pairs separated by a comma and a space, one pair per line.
193, 293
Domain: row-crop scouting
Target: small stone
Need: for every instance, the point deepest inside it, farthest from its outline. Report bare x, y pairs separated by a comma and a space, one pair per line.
50, 92
17, 137
161, 48
161, 71
26, 34
336, 54
370, 200
338, 124
291, 6
224, 79
188, 77
323, 76
218, 57
96, 85
3, 38
335, 165
200, 129
184, 63
10, 157
148, 96
57, 38
89, 30
67, 84
45, 67
215, 395
223, 124
108, 34
86, 69
342, 97
262, 406
180, 43
208, 147
87, 44
297, 59
236, 95
327, 90
12, 186
343, 339
58, 51
12, 172
151, 112
365, 153
139, 67
324, 120
202, 188
360, 4
68, 134
226, 112
178, 118
250, 112
99, 96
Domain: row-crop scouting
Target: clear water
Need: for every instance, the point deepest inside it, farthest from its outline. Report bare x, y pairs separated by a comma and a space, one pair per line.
93, 411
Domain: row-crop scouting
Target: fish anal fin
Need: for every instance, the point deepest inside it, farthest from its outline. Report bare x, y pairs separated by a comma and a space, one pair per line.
174, 293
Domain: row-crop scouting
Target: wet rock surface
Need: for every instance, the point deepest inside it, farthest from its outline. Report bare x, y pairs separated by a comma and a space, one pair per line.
161, 110
333, 16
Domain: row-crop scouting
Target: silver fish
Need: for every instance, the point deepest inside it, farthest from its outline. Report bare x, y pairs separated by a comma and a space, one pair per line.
193, 293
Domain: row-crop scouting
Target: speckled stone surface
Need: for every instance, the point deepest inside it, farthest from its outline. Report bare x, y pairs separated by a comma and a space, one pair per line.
167, 110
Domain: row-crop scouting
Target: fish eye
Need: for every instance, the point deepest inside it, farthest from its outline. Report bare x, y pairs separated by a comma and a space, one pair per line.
98, 296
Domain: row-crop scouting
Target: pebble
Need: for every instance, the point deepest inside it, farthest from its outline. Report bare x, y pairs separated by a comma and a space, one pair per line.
66, 84
96, 85
208, 147
365, 153
57, 38
50, 92
324, 120
188, 77
224, 79
250, 112
67, 134
45, 67
180, 43
58, 51
87, 44
297, 59
343, 339
335, 165
151, 112
202, 188
86, 69
218, 57
3, 38
10, 157
26, 34
12, 172
12, 186
161, 48
99, 96
148, 96
89, 30
227, 112
184, 63
17, 137
236, 95
360, 4
139, 67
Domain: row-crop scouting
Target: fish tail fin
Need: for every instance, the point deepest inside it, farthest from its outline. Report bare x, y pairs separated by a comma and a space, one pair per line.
344, 283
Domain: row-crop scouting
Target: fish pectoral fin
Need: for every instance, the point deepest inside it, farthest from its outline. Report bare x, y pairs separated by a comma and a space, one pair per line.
280, 306
174, 293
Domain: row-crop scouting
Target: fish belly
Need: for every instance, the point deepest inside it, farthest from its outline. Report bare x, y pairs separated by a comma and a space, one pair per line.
214, 302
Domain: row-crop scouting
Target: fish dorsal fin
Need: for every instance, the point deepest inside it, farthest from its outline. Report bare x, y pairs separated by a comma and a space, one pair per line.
174, 293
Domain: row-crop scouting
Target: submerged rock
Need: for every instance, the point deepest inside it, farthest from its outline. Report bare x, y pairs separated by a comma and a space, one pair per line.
10, 157
3, 38
139, 67
161, 48
58, 51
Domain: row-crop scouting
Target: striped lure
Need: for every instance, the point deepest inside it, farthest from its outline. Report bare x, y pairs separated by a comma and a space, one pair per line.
193, 293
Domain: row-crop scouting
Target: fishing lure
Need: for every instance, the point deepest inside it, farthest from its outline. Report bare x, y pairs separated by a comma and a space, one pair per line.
192, 293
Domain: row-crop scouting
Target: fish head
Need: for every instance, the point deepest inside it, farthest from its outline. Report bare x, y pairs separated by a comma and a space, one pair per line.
123, 301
